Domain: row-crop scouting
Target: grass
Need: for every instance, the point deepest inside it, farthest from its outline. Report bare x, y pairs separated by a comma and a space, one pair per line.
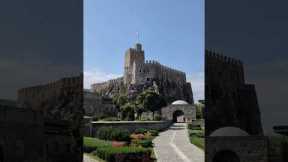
197, 137
199, 142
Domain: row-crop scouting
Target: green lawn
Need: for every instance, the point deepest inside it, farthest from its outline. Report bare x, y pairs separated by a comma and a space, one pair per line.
197, 137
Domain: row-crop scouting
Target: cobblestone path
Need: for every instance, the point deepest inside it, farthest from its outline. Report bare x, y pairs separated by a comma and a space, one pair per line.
173, 145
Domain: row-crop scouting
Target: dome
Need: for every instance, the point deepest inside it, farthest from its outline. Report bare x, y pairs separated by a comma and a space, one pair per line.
229, 131
179, 102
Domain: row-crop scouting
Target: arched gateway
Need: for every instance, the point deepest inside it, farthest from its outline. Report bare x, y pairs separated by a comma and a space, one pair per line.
179, 111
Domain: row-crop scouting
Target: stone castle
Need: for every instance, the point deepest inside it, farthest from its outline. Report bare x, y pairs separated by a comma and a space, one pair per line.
230, 100
140, 74
233, 129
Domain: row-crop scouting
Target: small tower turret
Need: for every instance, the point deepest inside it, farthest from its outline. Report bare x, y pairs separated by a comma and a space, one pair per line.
132, 55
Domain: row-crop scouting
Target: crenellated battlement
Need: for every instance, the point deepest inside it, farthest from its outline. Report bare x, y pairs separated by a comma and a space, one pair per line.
58, 84
224, 59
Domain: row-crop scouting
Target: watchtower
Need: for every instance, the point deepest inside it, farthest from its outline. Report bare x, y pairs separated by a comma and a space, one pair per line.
133, 56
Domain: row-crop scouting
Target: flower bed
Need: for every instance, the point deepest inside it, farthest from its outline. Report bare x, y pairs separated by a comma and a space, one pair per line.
118, 145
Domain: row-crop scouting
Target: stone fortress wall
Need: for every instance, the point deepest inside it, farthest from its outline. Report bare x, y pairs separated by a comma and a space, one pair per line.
140, 73
109, 87
152, 70
233, 129
38, 97
230, 100
229, 69
60, 102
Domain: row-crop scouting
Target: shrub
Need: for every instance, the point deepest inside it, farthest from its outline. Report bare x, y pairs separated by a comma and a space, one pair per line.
194, 127
140, 130
137, 136
120, 135
146, 143
110, 154
104, 133
109, 133
197, 133
91, 144
154, 132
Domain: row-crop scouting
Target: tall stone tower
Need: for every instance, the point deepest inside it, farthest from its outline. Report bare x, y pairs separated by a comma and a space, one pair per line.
134, 57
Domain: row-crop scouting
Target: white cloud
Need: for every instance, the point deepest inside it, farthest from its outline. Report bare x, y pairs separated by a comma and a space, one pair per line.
97, 76
197, 82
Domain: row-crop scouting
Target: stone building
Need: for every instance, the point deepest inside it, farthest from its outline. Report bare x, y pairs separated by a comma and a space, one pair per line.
61, 105
140, 74
98, 106
233, 126
230, 101
179, 111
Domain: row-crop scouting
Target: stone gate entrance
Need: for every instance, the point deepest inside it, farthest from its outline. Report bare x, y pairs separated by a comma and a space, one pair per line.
179, 111
178, 116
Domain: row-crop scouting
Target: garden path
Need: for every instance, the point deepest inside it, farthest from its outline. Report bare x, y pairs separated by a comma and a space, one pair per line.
87, 158
173, 145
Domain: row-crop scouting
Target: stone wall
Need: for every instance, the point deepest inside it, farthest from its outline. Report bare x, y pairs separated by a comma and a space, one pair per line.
188, 110
109, 88
229, 100
98, 106
22, 135
128, 125
246, 148
60, 100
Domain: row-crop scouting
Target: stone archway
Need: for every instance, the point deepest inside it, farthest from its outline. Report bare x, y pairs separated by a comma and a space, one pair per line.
226, 156
188, 111
178, 116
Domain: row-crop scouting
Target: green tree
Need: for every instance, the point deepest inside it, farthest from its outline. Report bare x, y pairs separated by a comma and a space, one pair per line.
120, 100
150, 101
139, 105
199, 110
127, 111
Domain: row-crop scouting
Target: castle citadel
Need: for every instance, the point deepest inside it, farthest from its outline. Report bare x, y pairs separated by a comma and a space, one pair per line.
140, 74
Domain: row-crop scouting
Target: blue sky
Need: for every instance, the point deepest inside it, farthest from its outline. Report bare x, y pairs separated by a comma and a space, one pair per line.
171, 31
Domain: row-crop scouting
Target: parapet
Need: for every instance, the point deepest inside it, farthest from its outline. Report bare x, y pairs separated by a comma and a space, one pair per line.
212, 55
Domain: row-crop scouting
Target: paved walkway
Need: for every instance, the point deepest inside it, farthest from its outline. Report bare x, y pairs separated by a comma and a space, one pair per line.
173, 145
87, 158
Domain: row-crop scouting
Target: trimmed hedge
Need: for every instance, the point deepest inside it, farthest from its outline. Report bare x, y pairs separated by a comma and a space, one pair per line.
146, 143
154, 132
109, 133
92, 144
110, 154
140, 131
197, 133
194, 127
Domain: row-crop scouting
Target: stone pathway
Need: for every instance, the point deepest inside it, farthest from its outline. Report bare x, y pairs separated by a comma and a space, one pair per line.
173, 145
87, 158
